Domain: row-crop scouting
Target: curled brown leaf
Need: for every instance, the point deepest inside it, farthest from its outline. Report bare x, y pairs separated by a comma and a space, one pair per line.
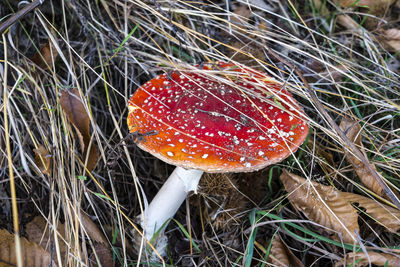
92, 230
281, 255
40, 232
385, 215
45, 57
360, 259
352, 129
391, 40
101, 250
72, 105
43, 159
32, 254
322, 204
333, 209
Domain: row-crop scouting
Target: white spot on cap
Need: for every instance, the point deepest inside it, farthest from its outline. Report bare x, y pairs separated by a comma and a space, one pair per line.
260, 153
204, 156
247, 164
169, 153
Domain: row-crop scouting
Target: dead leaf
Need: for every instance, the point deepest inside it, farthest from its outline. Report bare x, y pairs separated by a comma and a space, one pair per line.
101, 248
333, 209
46, 56
72, 105
352, 129
281, 255
92, 230
101, 254
391, 40
347, 22
311, 201
40, 232
32, 254
241, 14
378, 8
387, 216
43, 159
359, 259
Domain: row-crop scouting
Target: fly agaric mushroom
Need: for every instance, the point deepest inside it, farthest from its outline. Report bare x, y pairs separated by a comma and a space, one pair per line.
217, 118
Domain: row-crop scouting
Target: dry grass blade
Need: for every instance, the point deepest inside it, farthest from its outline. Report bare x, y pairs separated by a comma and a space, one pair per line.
322, 204
360, 259
39, 231
352, 130
43, 159
32, 254
281, 255
76, 112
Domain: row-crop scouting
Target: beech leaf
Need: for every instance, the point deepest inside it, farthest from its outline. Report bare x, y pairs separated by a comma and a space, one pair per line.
281, 255
391, 39
77, 115
92, 230
383, 214
352, 129
39, 231
358, 259
333, 209
102, 251
32, 254
45, 57
309, 197
43, 159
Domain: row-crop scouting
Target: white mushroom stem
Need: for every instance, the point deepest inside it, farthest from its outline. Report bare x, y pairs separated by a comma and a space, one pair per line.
168, 200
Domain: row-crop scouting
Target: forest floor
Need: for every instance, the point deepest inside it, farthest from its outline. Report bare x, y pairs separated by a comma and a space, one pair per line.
73, 180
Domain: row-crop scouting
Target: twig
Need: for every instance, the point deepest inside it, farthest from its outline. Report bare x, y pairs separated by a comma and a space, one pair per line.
17, 16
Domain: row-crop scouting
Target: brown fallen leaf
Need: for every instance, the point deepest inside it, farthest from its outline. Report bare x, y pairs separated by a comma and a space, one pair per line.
101, 254
391, 40
333, 209
39, 231
281, 255
359, 259
241, 14
377, 8
32, 254
101, 249
72, 105
352, 129
92, 230
386, 216
46, 56
43, 159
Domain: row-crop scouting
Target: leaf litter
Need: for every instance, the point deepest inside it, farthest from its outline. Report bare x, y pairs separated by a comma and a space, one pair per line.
333, 209
72, 105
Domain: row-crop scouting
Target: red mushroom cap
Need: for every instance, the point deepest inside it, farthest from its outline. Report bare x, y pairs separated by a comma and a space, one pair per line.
221, 118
